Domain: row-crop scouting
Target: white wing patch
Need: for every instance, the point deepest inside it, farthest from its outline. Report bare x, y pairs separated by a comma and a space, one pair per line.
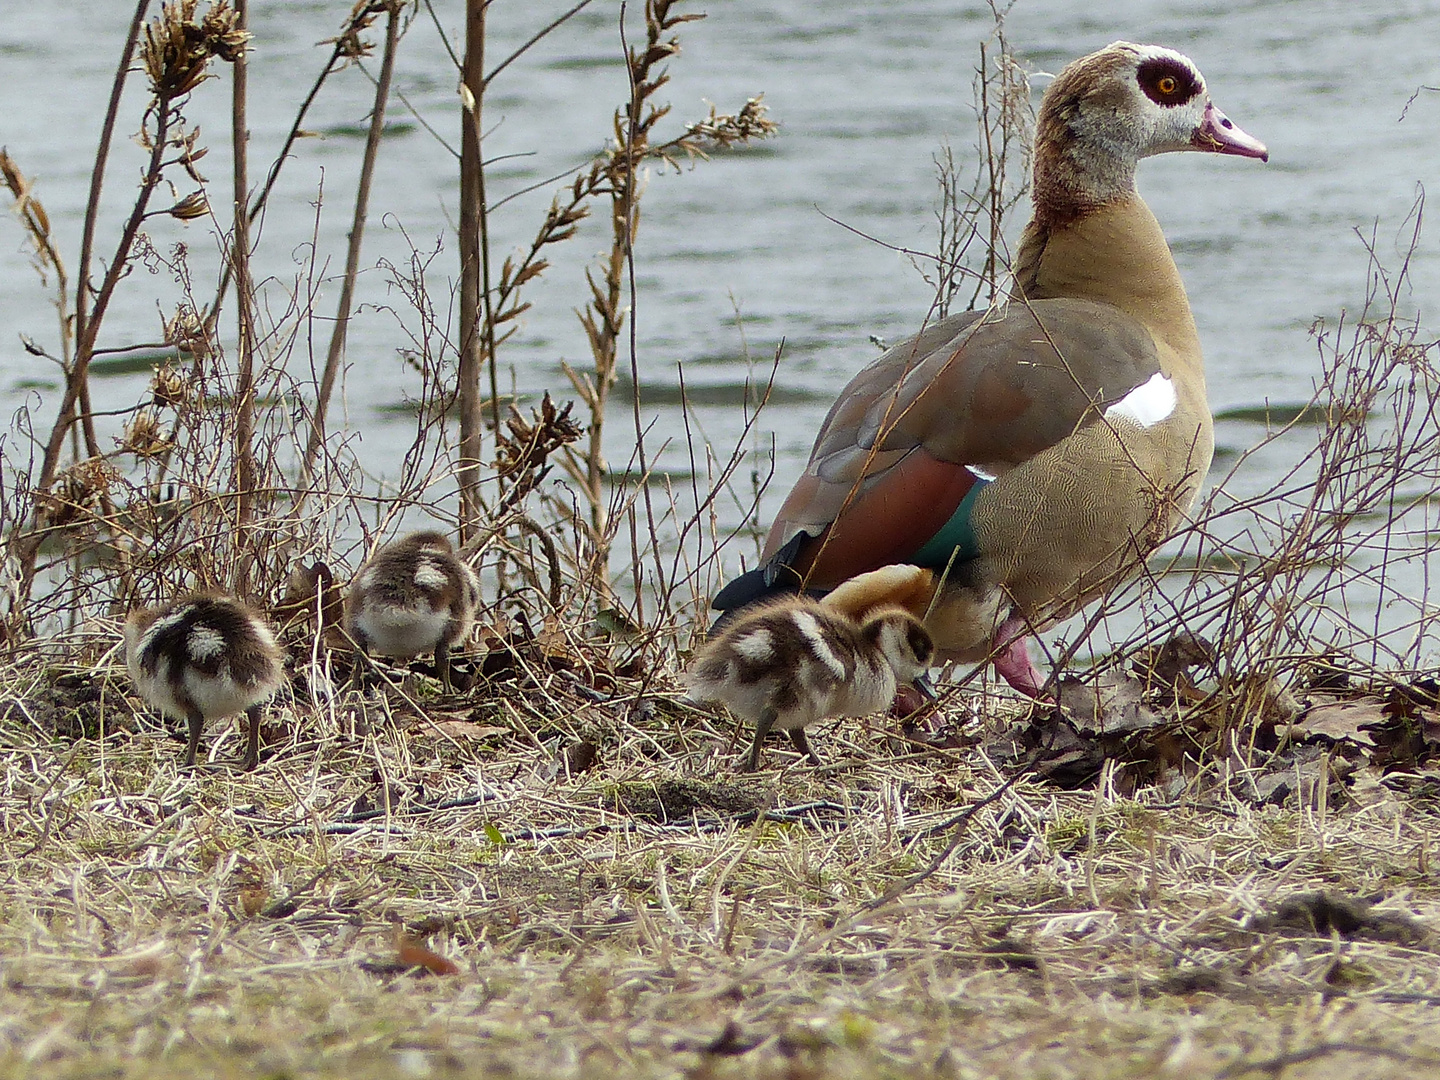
810, 627
1149, 403
203, 642
430, 576
756, 646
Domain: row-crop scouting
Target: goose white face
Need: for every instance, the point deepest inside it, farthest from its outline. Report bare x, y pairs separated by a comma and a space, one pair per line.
1171, 101
1147, 99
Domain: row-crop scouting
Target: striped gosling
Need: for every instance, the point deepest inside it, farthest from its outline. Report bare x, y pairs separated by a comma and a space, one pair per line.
414, 596
202, 657
792, 662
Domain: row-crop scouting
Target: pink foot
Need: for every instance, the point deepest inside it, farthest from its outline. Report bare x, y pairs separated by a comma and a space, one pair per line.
906, 701
1012, 662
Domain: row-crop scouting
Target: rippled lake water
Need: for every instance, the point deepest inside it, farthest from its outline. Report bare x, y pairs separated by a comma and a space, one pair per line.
745, 250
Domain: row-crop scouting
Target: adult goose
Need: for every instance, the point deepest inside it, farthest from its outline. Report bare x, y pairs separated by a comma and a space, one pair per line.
1022, 461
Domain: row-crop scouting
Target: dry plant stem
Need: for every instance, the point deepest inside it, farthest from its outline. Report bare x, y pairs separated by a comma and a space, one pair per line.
245, 317
213, 315
77, 372
81, 375
535, 38
352, 256
477, 331
996, 183
635, 105
36, 224
603, 317
85, 342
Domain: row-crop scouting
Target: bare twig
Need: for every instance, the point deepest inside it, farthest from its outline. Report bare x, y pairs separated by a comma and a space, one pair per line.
336, 352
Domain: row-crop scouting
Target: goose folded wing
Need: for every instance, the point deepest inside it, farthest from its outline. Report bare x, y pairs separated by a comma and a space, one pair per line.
964, 401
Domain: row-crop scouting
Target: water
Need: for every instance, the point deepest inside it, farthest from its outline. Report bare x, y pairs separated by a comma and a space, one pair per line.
740, 252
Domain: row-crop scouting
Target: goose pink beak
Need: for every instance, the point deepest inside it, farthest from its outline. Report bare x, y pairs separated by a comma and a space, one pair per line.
1217, 135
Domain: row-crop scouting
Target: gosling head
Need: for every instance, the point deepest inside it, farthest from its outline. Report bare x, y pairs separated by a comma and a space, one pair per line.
904, 643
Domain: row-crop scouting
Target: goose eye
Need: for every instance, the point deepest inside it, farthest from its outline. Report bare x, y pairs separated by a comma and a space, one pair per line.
1167, 82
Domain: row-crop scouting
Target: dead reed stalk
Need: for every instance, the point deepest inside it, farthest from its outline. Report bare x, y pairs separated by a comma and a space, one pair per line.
477, 313
615, 176
336, 352
175, 54
245, 343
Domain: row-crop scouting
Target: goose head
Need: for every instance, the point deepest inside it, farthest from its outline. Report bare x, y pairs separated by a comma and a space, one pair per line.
1106, 111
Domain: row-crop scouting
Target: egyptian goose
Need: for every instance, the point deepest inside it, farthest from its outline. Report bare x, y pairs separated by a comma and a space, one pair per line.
1024, 460
414, 596
202, 657
792, 661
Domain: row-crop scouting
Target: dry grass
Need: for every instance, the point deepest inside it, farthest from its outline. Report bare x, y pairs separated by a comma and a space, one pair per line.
619, 921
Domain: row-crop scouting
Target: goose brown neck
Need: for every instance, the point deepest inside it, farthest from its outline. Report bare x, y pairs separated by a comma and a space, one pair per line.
1114, 253
1072, 181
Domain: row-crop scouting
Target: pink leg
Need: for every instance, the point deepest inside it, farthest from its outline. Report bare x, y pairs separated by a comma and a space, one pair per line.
906, 701
1012, 662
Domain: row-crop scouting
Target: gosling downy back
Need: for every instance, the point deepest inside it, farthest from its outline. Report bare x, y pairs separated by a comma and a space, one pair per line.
793, 661
413, 596
202, 657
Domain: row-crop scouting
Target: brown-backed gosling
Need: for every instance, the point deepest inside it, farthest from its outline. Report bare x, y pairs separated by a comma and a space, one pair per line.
793, 661
414, 596
202, 657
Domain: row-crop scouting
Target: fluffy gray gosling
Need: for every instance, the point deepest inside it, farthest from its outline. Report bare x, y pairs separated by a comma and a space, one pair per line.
793, 661
202, 657
414, 596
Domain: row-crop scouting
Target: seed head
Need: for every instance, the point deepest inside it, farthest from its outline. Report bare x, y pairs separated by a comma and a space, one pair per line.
177, 48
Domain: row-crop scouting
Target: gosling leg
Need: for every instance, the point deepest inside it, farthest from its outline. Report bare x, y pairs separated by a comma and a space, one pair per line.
252, 742
442, 667
797, 738
197, 723
361, 657
762, 728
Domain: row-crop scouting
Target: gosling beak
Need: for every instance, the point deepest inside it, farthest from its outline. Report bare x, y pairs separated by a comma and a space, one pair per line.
922, 683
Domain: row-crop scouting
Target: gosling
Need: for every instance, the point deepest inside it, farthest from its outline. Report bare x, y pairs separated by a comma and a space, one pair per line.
414, 596
201, 657
790, 663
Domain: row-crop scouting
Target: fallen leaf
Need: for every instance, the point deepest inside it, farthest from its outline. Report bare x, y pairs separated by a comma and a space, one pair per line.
1110, 705
552, 639
413, 954
732, 1042
1299, 771
1343, 720
575, 758
1169, 664
466, 729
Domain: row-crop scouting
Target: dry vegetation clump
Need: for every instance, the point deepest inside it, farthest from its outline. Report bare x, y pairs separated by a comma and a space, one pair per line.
1212, 859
